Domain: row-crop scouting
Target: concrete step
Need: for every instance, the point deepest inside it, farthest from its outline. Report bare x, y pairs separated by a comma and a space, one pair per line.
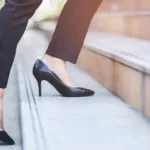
32, 132
102, 121
119, 63
133, 24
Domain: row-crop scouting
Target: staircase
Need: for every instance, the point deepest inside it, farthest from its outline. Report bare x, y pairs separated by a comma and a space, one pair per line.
54, 122
117, 116
119, 38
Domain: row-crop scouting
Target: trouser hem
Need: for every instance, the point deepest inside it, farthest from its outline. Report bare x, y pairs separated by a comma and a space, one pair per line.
63, 57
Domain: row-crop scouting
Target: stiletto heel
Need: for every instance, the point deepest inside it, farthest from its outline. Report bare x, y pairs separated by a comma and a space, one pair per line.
39, 84
40, 88
42, 72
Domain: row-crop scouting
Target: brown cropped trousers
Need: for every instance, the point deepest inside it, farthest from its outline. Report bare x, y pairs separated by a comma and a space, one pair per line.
67, 39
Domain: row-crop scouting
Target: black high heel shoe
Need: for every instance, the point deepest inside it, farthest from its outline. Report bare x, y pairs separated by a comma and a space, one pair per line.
42, 72
5, 138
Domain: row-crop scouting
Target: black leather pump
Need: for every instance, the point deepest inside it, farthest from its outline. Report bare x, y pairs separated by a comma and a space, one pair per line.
5, 138
42, 72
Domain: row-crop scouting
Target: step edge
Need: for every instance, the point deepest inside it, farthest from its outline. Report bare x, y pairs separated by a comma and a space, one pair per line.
124, 58
23, 92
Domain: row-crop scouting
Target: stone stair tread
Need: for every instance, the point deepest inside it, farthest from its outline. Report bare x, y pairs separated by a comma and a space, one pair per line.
129, 51
102, 121
120, 44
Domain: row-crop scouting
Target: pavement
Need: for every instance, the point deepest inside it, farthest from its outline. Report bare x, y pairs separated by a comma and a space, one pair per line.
102, 121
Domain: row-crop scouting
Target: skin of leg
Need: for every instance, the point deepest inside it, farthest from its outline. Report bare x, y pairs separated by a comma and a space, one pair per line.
59, 67
1, 107
68, 38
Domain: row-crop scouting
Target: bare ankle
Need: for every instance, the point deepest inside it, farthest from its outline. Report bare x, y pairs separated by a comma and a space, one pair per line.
54, 63
1, 92
59, 61
1, 108
47, 59
59, 67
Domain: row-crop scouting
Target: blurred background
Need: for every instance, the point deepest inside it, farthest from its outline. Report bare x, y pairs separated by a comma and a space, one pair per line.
48, 9
128, 18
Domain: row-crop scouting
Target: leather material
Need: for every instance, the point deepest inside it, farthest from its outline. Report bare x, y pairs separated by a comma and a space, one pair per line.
5, 138
42, 72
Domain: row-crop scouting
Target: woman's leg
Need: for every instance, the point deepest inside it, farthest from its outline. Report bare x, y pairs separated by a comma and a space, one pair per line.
13, 21
69, 35
14, 17
1, 108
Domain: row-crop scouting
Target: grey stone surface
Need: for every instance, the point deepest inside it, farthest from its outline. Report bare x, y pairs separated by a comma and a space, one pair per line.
12, 112
102, 121
129, 51
31, 133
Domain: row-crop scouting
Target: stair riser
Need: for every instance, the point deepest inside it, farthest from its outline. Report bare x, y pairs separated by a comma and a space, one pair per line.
147, 95
134, 26
129, 84
127, 5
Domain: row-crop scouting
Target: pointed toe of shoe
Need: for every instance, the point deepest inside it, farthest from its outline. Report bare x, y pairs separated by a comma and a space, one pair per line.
81, 92
88, 92
5, 138
11, 141
78, 92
